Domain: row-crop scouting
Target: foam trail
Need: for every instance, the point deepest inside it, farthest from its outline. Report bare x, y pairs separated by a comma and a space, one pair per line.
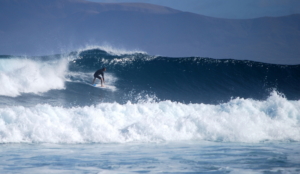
240, 120
28, 76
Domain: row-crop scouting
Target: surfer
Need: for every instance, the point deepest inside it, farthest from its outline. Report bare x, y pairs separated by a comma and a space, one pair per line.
97, 75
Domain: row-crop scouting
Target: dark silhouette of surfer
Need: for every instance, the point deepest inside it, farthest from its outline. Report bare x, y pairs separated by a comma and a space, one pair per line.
97, 75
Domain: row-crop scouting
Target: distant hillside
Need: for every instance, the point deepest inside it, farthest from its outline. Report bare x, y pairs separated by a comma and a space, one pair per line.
51, 26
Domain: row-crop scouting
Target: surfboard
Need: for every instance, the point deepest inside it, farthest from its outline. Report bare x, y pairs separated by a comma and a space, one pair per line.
97, 85
109, 87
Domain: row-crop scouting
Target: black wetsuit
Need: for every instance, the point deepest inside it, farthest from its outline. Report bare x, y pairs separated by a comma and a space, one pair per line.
98, 73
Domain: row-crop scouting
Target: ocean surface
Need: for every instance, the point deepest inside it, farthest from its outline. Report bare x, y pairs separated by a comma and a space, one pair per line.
155, 114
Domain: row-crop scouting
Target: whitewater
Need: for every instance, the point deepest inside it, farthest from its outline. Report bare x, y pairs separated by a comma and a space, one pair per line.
160, 114
239, 120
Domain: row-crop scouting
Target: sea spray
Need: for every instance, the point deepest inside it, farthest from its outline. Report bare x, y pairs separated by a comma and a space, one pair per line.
19, 75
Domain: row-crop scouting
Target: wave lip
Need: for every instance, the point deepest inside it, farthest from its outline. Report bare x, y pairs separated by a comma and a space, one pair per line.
30, 76
111, 50
239, 120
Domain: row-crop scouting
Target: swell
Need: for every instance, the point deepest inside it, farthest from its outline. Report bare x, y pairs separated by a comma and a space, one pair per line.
193, 79
156, 99
137, 76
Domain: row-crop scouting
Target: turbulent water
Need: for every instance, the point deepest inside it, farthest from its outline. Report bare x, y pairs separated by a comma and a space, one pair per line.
148, 99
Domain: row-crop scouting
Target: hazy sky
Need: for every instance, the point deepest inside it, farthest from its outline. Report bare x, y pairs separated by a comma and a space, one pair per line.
228, 8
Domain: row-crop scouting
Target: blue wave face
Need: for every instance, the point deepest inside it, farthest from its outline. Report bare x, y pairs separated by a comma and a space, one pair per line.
192, 79
136, 76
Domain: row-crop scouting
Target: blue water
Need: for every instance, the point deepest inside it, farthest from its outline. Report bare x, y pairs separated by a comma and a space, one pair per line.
155, 114
167, 157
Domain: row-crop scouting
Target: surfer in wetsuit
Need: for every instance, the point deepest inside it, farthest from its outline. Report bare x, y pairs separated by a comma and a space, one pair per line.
97, 75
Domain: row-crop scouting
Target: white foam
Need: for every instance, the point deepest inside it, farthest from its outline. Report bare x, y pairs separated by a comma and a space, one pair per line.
21, 75
240, 120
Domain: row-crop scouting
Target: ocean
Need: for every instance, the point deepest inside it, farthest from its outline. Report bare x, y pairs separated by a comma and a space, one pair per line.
155, 115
